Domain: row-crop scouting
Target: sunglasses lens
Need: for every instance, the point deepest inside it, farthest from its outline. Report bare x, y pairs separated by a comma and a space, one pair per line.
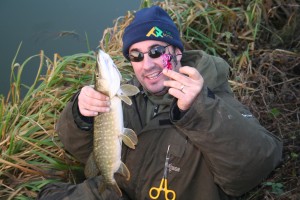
136, 56
156, 51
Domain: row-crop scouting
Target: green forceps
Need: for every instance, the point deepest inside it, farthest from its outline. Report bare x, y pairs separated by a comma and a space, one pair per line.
154, 192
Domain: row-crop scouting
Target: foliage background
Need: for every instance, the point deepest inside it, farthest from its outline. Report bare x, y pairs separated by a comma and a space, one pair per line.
259, 38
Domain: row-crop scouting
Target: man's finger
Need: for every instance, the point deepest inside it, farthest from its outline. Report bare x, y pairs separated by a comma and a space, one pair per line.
191, 72
172, 74
92, 93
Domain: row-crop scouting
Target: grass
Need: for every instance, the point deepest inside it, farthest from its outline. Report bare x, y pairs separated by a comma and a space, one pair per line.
264, 76
29, 144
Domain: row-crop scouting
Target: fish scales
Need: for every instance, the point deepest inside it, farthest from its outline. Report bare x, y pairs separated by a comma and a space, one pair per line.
107, 133
109, 130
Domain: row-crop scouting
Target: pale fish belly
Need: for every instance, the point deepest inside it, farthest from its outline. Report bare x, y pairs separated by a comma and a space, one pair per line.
108, 128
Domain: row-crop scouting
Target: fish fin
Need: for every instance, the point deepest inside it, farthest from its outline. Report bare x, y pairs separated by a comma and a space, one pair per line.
111, 186
126, 99
116, 188
102, 188
123, 171
129, 138
125, 91
129, 90
91, 169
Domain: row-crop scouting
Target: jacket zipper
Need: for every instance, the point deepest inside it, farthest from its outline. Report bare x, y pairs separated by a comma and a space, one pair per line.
155, 111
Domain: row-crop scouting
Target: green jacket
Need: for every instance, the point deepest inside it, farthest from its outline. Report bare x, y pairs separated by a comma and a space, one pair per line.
218, 149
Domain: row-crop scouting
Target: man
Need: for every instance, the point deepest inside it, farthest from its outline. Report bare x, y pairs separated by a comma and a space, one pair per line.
216, 148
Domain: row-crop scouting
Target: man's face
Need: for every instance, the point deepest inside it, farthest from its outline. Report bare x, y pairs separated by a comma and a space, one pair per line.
149, 70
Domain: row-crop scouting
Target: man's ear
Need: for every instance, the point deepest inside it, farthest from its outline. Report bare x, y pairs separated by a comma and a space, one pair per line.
178, 54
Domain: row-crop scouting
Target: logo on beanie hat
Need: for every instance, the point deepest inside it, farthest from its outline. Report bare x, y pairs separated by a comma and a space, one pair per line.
157, 32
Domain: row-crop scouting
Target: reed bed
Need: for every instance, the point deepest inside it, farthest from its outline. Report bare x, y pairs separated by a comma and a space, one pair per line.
31, 154
260, 40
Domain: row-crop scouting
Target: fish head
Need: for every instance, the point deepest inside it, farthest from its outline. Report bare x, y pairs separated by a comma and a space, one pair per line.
107, 75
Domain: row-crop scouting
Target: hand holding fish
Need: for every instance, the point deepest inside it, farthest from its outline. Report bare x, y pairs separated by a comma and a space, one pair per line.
185, 85
92, 102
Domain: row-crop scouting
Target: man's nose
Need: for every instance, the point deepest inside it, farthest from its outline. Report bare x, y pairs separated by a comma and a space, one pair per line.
148, 61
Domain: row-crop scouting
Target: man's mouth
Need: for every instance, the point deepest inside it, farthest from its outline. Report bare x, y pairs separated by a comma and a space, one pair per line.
153, 75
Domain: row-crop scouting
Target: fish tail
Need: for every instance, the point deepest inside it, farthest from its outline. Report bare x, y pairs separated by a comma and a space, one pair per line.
116, 188
113, 186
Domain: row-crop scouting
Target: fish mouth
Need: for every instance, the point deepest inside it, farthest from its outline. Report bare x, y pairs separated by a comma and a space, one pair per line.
154, 75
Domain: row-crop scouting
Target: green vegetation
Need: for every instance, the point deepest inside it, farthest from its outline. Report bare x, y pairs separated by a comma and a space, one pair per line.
260, 40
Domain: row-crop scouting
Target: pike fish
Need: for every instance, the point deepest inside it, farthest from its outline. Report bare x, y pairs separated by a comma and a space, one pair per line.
109, 131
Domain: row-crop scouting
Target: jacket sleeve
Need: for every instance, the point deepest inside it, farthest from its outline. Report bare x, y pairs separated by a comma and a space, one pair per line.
238, 150
76, 138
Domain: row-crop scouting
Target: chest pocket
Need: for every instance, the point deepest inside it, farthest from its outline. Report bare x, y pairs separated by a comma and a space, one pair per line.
177, 148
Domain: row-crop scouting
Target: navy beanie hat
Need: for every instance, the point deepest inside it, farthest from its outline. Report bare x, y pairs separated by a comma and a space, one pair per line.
151, 24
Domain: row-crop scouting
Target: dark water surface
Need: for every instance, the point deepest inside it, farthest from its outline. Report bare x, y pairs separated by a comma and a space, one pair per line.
40, 25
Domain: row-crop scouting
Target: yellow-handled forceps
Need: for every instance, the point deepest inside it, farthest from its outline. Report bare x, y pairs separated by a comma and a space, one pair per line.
154, 192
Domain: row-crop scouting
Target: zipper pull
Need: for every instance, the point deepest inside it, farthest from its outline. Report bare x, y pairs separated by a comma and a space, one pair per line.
155, 111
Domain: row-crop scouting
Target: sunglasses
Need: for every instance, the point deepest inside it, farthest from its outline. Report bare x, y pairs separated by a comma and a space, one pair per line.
154, 52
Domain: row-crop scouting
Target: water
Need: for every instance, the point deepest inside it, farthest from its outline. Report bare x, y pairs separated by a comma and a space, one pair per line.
38, 25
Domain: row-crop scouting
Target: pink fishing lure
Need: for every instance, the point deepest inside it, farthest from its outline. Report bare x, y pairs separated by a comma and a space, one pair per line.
167, 61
